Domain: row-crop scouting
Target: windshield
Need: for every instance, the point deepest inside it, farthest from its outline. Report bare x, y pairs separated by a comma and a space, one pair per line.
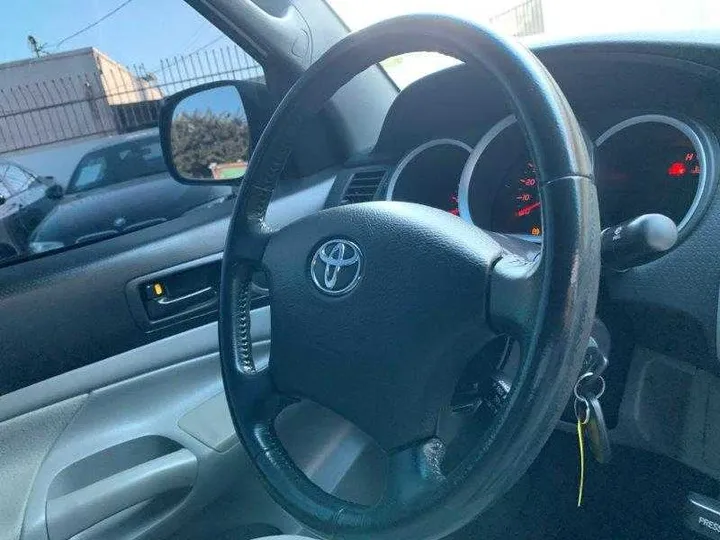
525, 18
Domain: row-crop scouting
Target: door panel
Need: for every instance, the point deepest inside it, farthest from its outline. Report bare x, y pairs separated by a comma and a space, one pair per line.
114, 439
195, 343
107, 430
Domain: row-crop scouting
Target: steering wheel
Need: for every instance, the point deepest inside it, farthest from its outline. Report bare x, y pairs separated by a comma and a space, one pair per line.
377, 307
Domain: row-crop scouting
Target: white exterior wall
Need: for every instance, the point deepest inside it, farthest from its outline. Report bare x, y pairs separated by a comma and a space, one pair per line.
43, 82
120, 85
72, 93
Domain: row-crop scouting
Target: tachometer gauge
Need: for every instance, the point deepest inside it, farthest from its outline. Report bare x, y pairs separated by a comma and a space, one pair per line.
429, 175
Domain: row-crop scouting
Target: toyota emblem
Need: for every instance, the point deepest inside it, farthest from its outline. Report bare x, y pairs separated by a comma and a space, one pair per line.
336, 267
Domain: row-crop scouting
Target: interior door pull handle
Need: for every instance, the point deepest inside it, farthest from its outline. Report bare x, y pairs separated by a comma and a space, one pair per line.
165, 301
169, 306
78, 510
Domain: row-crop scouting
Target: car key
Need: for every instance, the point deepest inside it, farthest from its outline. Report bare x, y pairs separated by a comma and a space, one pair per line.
597, 431
591, 381
595, 361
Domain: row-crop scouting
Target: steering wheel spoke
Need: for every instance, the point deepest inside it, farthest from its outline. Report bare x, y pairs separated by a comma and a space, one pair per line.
414, 472
257, 399
514, 299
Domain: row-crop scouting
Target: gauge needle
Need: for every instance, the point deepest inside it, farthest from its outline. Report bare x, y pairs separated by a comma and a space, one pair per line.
526, 210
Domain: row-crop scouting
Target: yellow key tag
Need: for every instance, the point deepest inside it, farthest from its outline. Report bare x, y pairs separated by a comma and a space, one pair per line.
581, 444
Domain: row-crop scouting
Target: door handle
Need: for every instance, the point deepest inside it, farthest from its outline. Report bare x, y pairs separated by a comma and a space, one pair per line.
177, 294
166, 306
164, 301
78, 510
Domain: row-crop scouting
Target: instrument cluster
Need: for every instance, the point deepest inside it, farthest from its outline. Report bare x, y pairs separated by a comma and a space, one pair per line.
644, 164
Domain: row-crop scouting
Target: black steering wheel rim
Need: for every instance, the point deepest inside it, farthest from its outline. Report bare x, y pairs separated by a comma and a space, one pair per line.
547, 304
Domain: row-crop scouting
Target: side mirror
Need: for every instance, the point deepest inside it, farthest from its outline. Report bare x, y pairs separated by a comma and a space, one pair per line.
54, 192
205, 134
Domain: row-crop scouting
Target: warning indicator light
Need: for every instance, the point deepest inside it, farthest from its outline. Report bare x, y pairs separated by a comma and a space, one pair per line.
677, 169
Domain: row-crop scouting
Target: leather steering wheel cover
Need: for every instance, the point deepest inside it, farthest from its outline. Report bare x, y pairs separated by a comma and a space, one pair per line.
567, 304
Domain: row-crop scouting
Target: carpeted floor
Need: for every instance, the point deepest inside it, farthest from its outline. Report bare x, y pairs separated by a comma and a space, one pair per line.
636, 496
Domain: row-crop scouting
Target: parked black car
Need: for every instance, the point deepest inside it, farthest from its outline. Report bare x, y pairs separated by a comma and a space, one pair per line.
117, 188
24, 202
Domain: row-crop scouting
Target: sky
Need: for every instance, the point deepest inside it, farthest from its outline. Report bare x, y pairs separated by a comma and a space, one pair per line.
220, 101
142, 32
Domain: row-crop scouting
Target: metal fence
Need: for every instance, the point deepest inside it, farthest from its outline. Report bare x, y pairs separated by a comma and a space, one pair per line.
525, 19
109, 100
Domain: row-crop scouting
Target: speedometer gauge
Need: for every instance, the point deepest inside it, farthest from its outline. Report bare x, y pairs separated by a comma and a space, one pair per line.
500, 165
527, 213
517, 208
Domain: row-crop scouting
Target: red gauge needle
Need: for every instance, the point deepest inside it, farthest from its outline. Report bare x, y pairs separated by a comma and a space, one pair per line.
529, 208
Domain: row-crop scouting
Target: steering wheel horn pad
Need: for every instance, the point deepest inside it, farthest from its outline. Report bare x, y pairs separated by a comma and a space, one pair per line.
425, 292
390, 351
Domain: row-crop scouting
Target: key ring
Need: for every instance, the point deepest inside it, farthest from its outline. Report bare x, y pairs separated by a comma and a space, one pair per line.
586, 418
583, 377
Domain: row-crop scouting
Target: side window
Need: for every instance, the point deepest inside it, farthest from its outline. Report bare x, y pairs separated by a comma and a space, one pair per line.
79, 105
142, 159
91, 172
16, 179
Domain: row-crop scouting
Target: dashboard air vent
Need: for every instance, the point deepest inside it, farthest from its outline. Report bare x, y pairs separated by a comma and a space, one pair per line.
363, 186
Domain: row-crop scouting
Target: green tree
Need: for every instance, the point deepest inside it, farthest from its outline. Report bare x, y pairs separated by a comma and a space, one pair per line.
202, 139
